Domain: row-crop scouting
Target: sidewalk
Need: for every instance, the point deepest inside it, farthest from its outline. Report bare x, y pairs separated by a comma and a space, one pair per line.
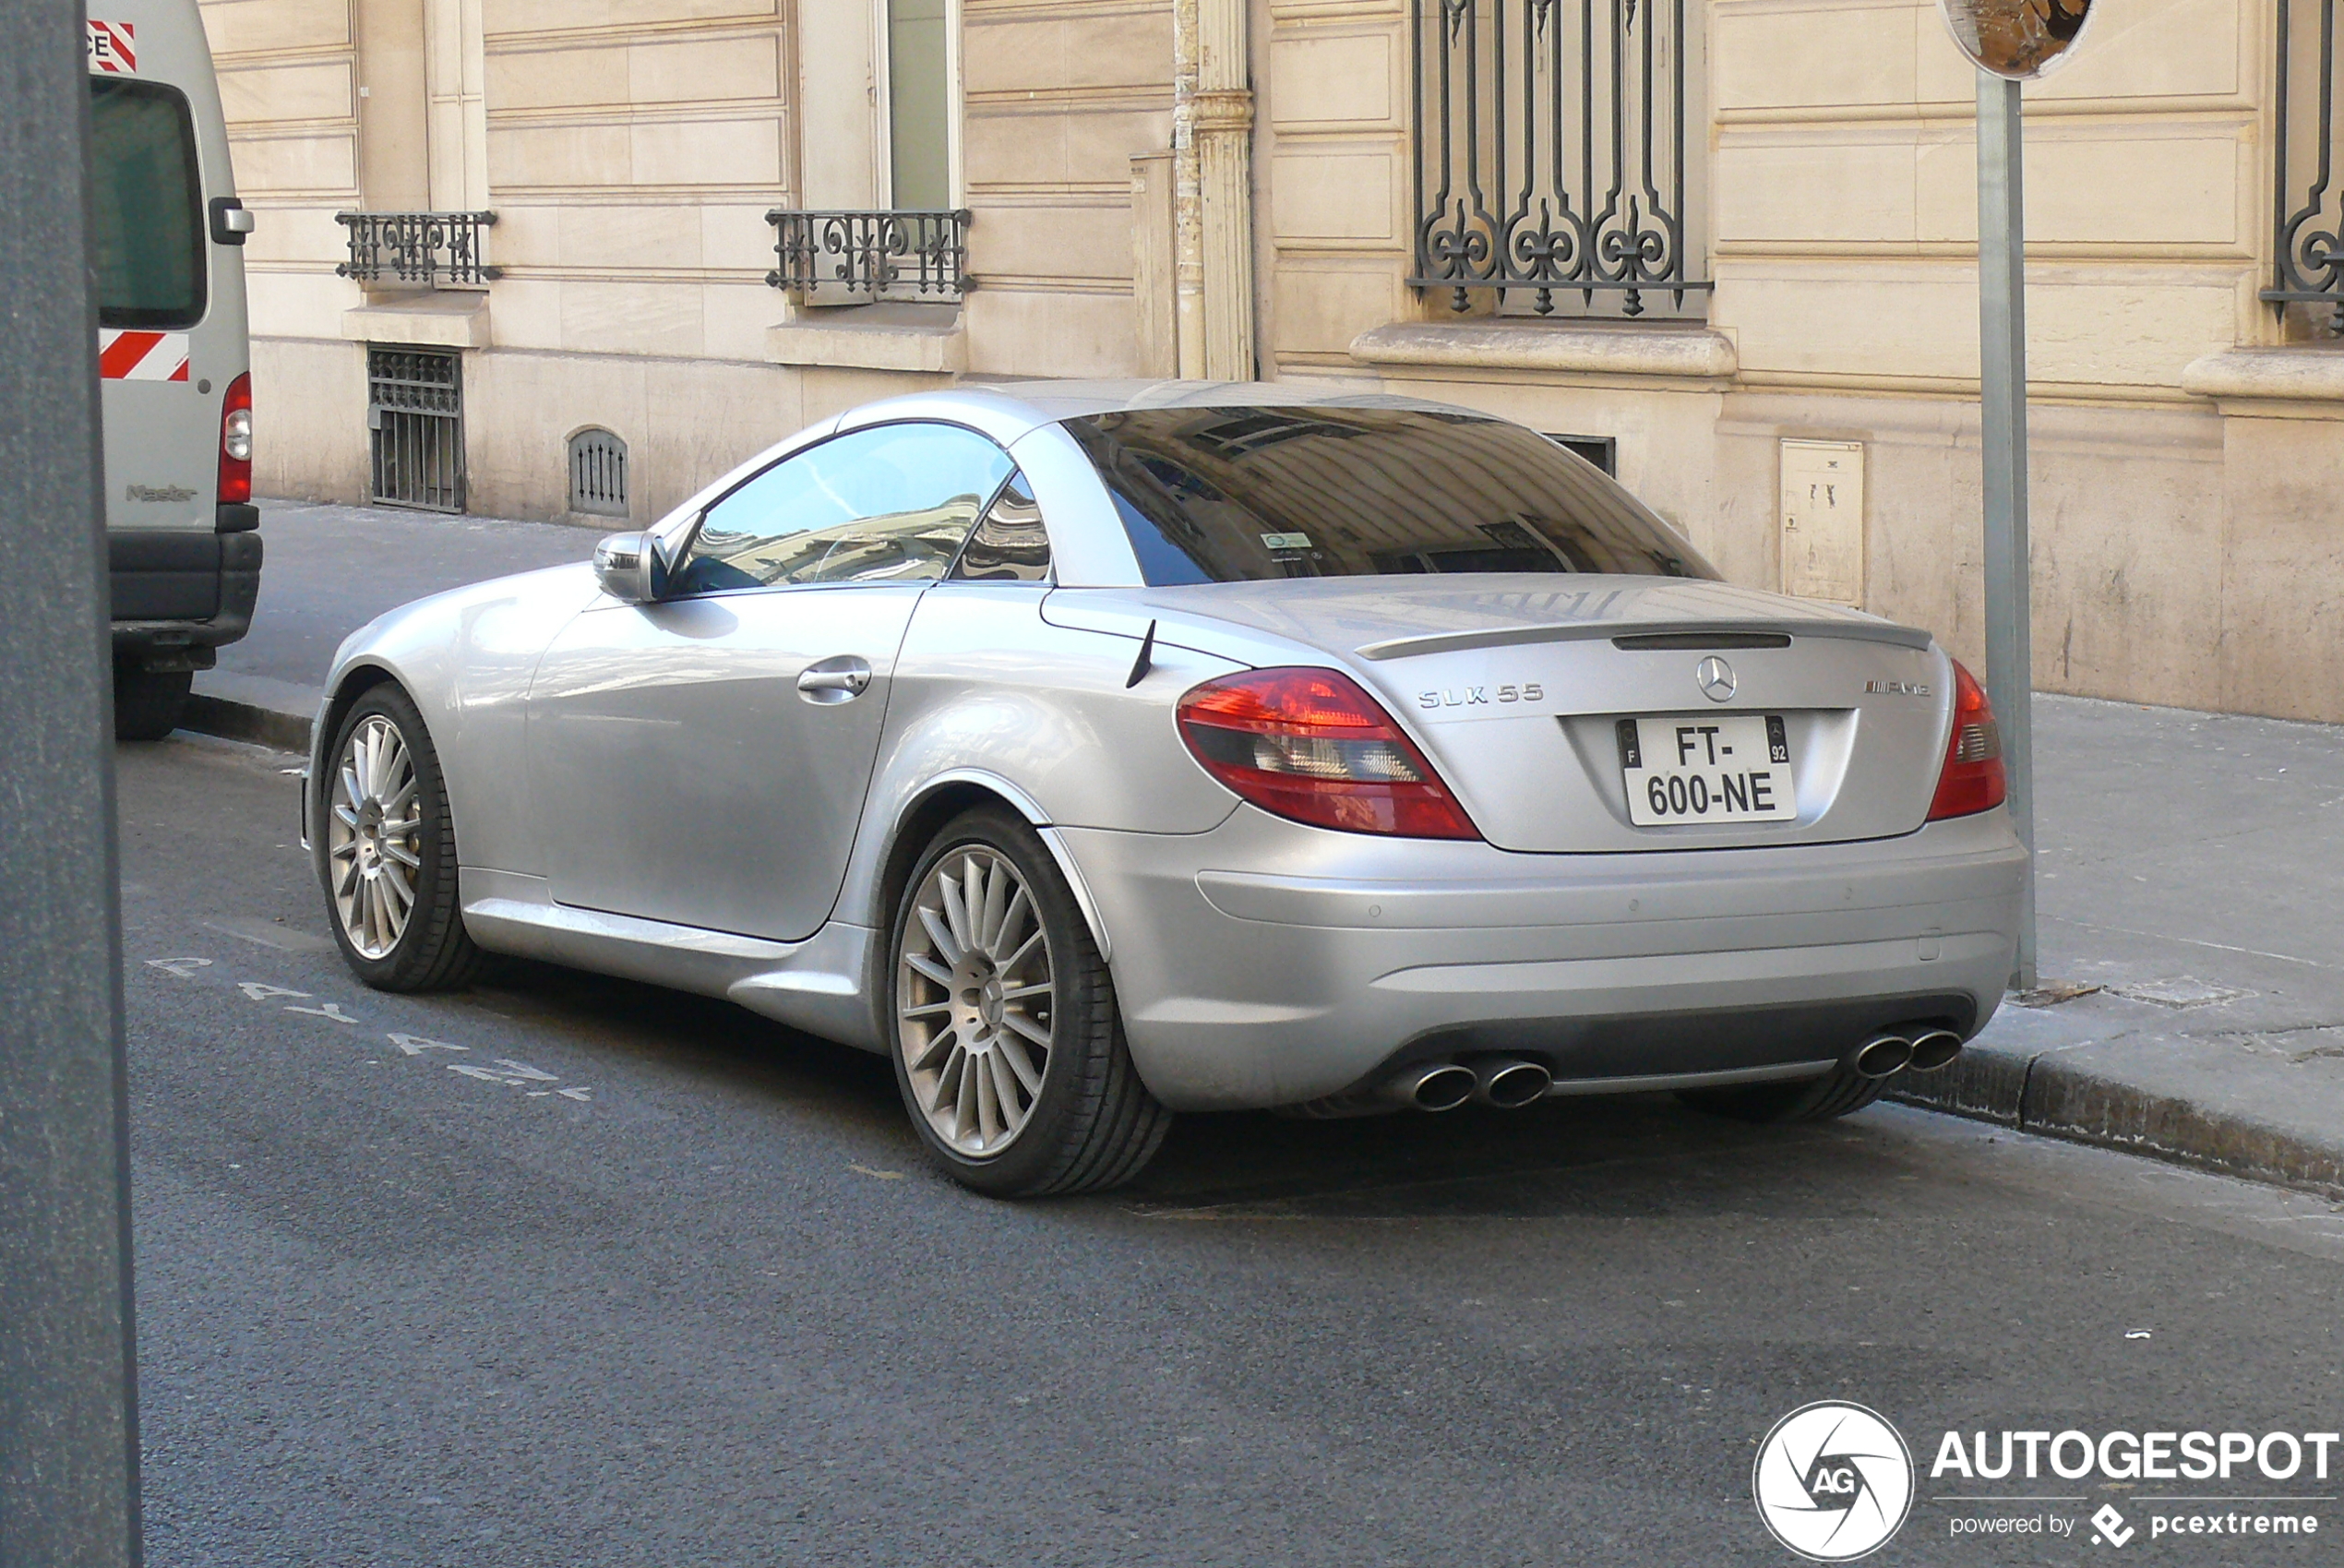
329, 570
2191, 874
2190, 866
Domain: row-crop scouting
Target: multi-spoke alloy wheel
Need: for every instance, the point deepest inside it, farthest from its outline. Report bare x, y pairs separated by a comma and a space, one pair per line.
385, 848
974, 994
1008, 1047
373, 836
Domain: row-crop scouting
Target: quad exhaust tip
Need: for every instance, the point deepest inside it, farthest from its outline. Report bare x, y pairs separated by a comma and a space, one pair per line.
1882, 1056
1509, 1083
1505, 1082
1933, 1048
1432, 1086
1924, 1049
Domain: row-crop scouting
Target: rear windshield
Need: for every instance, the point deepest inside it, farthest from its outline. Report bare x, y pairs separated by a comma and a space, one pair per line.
1229, 494
147, 210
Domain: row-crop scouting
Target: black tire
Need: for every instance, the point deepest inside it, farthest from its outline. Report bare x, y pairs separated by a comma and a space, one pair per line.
147, 704
1840, 1092
1092, 1124
432, 951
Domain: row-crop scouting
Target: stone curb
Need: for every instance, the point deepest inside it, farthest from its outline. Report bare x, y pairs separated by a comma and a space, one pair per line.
241, 721
2039, 1093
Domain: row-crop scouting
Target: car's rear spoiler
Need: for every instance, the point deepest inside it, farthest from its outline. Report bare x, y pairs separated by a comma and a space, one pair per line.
1651, 634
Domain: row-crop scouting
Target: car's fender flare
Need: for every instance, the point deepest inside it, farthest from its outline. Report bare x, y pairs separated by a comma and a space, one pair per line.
1039, 820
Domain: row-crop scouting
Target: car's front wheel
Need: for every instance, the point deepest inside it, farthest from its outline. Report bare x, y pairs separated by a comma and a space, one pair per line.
1009, 1047
386, 851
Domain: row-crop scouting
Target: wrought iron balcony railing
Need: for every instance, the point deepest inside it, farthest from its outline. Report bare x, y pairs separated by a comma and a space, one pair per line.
425, 249
921, 254
2308, 214
1552, 143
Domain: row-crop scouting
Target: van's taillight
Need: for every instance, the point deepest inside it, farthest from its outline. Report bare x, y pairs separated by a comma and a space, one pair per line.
235, 441
1309, 745
1972, 780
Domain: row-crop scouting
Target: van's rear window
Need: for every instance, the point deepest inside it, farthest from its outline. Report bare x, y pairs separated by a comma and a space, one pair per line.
149, 233
1229, 494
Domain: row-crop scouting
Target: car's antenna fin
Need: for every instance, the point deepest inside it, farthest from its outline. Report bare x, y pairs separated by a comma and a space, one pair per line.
1145, 661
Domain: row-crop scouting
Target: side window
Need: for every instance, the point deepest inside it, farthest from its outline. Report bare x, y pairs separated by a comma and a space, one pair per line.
890, 504
1009, 544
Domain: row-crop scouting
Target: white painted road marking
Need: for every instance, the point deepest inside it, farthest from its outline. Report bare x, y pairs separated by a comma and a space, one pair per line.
415, 1044
511, 1073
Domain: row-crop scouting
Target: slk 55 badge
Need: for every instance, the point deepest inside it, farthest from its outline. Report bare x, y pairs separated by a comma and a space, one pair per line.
1466, 696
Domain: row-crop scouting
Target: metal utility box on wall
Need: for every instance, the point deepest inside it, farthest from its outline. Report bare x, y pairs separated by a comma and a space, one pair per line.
1823, 521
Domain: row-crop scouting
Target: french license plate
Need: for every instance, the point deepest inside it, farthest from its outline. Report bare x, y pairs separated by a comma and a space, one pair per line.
1707, 768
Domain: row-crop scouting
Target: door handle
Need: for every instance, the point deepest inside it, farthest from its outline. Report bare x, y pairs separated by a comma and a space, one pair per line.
840, 680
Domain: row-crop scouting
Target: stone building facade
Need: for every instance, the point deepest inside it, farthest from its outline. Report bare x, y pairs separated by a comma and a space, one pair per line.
1727, 246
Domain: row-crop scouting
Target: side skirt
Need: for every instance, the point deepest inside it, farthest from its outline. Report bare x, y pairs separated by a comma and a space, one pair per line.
816, 984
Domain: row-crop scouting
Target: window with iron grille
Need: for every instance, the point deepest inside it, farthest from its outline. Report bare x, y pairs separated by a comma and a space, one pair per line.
598, 474
1559, 155
415, 424
2307, 160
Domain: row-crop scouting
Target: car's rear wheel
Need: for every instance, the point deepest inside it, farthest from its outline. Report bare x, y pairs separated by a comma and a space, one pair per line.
147, 704
386, 851
1009, 1047
1838, 1093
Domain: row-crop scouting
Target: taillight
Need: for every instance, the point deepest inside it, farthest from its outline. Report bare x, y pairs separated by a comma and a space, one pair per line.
1972, 780
235, 441
1311, 746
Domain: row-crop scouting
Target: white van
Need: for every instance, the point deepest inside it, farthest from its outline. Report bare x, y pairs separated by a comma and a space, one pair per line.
173, 362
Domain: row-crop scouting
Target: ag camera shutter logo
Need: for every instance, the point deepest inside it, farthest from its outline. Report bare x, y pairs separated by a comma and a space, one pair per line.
1833, 1482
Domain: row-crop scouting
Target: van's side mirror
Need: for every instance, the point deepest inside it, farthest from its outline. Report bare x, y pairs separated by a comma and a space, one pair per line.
632, 566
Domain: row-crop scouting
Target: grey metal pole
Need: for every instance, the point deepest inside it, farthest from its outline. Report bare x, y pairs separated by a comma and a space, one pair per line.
68, 1410
2001, 340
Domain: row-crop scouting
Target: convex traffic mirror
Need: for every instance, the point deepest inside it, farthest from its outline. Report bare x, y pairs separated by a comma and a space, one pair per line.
2018, 39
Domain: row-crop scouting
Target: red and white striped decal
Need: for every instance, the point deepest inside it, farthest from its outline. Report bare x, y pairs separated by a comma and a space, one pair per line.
127, 355
114, 51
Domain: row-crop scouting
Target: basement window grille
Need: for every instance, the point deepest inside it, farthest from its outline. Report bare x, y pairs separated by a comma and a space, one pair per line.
1601, 450
598, 474
415, 424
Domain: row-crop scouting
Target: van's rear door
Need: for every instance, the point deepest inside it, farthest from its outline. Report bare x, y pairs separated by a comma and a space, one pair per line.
172, 337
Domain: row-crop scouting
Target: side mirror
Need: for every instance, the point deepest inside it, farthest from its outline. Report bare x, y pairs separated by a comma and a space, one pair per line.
632, 566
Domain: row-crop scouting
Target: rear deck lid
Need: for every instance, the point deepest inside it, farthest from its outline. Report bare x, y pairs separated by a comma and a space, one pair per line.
1761, 719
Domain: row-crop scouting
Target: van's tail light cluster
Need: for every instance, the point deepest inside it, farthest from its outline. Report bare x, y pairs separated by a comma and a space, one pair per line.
235, 441
1972, 780
1307, 744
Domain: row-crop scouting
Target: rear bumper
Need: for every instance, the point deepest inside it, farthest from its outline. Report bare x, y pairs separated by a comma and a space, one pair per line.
1334, 958
178, 594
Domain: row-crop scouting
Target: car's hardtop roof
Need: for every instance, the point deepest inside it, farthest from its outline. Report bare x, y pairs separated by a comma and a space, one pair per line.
1028, 404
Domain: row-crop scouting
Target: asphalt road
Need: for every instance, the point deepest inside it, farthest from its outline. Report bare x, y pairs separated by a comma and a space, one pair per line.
565, 1271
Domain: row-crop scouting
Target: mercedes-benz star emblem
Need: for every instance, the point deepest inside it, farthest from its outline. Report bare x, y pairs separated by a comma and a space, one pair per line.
1717, 679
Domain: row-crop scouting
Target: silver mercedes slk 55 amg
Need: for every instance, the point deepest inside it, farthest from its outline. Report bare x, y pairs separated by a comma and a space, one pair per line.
1100, 751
